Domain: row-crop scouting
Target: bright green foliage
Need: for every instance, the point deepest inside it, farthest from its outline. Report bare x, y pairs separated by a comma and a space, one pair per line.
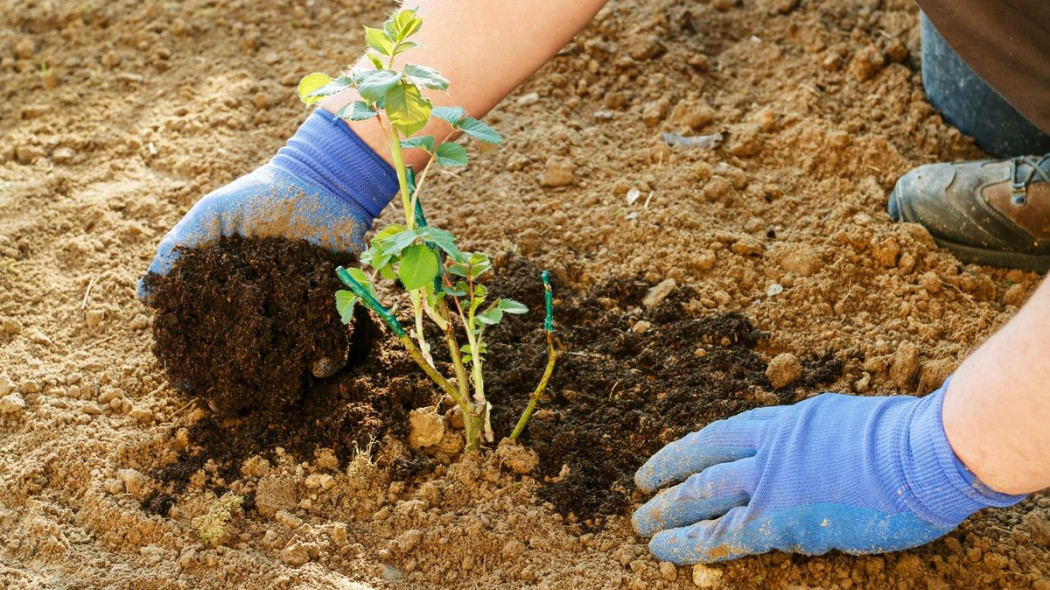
443, 282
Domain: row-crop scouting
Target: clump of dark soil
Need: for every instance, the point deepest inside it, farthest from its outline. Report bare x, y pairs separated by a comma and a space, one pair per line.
241, 324
619, 394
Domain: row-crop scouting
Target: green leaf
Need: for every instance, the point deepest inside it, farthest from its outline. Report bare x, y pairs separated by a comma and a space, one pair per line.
451, 154
399, 241
405, 46
344, 304
387, 272
480, 131
490, 317
479, 263
388, 231
453, 115
375, 58
425, 142
356, 111
440, 238
459, 269
375, 84
452, 291
426, 77
511, 306
407, 109
310, 84
403, 24
334, 87
418, 267
379, 40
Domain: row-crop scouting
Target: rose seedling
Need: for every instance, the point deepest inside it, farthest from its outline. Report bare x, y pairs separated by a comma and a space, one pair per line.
444, 284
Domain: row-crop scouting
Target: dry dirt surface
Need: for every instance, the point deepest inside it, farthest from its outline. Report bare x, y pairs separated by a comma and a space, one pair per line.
115, 117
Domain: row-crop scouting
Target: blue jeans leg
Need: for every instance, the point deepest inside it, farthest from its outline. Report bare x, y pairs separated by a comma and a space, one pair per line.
972, 106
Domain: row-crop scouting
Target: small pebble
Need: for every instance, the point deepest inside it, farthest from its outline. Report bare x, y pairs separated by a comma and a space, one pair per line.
658, 293
641, 327
783, 370
12, 404
559, 171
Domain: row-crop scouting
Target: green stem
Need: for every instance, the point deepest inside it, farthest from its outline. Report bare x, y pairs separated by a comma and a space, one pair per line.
453, 349
552, 357
402, 180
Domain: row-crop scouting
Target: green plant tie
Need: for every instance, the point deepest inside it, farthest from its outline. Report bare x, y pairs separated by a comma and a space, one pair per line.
548, 298
366, 297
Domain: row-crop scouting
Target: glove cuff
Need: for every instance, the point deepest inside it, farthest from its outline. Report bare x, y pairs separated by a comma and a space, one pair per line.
944, 491
325, 152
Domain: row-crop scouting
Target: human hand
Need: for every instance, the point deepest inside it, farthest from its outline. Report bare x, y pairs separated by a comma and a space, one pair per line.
857, 474
325, 186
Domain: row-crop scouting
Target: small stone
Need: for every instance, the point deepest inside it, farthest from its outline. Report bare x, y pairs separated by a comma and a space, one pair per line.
641, 327
139, 322
426, 427
25, 48
295, 554
12, 404
6, 385
897, 51
700, 352
143, 416
886, 252
668, 571
271, 58
11, 326
287, 519
801, 262
27, 154
519, 459
693, 114
275, 494
654, 112
706, 577
93, 317
513, 549
644, 48
261, 101
905, 365
783, 370
559, 171
723, 5
134, 482
866, 64
408, 540
63, 155
658, 293
747, 246
527, 99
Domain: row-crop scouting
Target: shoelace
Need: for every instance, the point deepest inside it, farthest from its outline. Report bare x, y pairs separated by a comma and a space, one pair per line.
1019, 192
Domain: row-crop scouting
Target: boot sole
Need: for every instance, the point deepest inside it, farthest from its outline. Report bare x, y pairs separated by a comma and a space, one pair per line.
1028, 262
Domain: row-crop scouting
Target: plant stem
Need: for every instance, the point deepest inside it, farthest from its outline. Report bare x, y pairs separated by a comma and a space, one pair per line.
402, 179
417, 309
453, 349
552, 357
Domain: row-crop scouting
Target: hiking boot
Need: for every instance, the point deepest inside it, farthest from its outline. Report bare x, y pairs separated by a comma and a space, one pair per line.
994, 212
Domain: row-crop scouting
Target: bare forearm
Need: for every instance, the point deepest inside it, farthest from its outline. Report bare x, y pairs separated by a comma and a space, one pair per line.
486, 48
997, 409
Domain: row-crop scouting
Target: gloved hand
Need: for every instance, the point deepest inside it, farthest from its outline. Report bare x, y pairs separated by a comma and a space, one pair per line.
857, 474
325, 186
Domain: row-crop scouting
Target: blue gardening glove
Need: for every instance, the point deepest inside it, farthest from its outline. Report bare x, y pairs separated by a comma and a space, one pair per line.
325, 186
857, 474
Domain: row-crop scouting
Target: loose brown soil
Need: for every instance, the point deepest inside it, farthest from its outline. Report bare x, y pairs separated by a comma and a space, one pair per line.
777, 238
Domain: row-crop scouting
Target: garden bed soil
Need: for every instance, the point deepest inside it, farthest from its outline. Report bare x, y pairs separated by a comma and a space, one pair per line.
117, 117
